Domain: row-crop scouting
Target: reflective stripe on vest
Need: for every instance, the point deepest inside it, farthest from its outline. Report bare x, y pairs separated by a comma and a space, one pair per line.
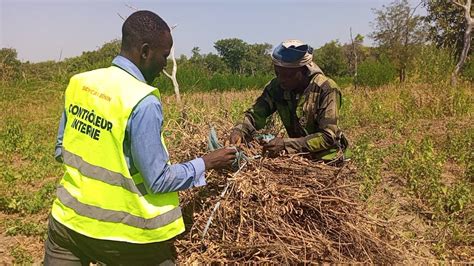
116, 216
97, 196
102, 174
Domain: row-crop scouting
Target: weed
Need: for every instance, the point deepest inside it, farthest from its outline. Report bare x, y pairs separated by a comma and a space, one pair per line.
20, 227
385, 126
369, 161
21, 255
24, 204
11, 136
459, 145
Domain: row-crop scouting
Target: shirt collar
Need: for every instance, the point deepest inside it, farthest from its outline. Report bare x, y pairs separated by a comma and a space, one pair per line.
128, 66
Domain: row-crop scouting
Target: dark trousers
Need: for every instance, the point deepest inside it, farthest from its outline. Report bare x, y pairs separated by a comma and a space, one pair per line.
67, 247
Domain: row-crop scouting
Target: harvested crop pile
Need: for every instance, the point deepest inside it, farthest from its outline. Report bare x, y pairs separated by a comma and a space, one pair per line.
283, 210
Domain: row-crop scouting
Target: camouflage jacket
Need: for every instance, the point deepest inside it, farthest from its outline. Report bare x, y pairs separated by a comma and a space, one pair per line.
310, 118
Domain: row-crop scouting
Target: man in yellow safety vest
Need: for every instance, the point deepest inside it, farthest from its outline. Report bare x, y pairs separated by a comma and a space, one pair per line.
117, 202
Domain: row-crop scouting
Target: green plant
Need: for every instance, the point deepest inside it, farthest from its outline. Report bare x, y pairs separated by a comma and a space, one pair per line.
459, 145
408, 104
432, 66
468, 70
21, 255
456, 197
330, 57
19, 227
24, 204
11, 136
374, 73
9, 65
421, 166
369, 161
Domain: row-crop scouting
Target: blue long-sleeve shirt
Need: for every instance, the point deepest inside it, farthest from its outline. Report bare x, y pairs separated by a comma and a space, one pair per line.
142, 146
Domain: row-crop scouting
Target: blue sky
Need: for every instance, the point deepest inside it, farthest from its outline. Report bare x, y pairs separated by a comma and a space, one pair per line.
43, 30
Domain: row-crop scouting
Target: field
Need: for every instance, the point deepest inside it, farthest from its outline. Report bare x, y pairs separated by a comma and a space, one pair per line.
412, 161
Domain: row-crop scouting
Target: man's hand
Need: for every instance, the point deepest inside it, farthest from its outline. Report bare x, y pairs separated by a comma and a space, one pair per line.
273, 147
236, 137
220, 158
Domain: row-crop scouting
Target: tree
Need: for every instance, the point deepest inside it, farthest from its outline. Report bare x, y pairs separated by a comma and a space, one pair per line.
214, 63
469, 21
446, 24
257, 58
9, 64
355, 47
93, 59
330, 57
398, 32
451, 25
355, 53
196, 55
172, 76
243, 58
354, 56
232, 52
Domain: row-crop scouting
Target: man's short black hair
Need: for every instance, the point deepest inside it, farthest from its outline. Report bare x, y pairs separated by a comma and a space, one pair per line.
142, 26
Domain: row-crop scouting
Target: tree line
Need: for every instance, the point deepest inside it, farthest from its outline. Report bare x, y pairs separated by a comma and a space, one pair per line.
408, 47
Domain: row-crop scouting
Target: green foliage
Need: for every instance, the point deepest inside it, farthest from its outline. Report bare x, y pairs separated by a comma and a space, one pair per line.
456, 198
11, 136
214, 64
351, 50
374, 73
460, 145
432, 66
9, 64
330, 57
232, 52
243, 58
20, 227
93, 59
257, 59
421, 164
422, 167
16, 140
200, 79
386, 127
62, 71
343, 81
45, 71
24, 203
468, 70
369, 161
409, 105
447, 24
21, 255
398, 33
239, 66
196, 54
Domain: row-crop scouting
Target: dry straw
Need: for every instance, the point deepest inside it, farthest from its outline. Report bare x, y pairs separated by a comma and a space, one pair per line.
283, 210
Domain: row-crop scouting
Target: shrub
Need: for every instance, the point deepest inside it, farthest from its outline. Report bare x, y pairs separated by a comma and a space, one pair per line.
432, 65
468, 70
374, 73
9, 64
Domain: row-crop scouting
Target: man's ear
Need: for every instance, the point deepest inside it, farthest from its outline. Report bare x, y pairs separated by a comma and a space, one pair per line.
144, 51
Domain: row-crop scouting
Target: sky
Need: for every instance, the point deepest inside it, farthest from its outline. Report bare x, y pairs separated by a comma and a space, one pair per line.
43, 30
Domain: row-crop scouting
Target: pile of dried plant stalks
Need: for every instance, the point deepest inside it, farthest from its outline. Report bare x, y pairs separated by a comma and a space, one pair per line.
283, 210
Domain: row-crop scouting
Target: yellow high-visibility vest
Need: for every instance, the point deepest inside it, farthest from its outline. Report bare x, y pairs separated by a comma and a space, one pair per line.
97, 196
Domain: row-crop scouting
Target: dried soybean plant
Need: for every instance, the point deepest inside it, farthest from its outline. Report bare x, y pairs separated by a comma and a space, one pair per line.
288, 209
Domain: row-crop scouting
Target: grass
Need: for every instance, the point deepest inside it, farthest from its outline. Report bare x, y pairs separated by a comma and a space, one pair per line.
412, 146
